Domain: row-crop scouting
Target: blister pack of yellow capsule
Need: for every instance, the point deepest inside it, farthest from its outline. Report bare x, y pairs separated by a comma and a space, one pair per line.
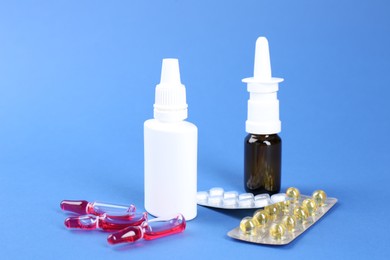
282, 222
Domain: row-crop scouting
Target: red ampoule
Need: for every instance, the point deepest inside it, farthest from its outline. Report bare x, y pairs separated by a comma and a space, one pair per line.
87, 222
96, 208
156, 228
117, 222
106, 222
129, 235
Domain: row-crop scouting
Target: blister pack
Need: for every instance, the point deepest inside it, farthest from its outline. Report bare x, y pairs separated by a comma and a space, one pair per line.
218, 198
282, 222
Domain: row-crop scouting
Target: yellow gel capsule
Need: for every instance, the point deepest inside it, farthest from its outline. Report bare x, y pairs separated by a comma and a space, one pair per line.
247, 225
301, 213
310, 205
277, 231
285, 207
319, 196
293, 193
290, 222
260, 218
273, 211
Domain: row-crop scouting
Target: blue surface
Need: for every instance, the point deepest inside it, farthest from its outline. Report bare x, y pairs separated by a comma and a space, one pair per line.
77, 82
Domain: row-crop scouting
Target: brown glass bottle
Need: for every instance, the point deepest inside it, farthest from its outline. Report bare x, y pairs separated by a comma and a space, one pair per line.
262, 163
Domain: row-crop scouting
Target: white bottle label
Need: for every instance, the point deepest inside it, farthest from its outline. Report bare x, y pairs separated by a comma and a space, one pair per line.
170, 168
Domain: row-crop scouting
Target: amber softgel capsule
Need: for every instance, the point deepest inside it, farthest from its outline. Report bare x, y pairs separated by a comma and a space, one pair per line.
290, 222
301, 213
293, 194
319, 196
310, 205
248, 226
277, 231
260, 218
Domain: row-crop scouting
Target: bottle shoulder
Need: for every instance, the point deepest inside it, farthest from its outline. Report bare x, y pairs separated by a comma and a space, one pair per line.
263, 139
170, 126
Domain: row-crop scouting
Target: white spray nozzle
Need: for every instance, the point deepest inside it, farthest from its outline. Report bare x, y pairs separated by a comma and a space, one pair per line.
263, 104
170, 101
262, 69
170, 73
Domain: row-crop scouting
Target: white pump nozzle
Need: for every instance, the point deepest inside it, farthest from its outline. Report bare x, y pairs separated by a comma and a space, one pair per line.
170, 98
263, 104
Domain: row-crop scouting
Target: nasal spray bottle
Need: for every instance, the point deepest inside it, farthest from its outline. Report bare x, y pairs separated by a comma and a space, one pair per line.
263, 146
170, 147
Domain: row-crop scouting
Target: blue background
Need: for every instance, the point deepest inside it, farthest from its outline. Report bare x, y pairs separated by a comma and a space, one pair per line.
77, 82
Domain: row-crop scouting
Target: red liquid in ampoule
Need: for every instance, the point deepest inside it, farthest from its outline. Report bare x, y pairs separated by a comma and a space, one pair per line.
76, 206
127, 235
87, 222
109, 223
159, 229
106, 222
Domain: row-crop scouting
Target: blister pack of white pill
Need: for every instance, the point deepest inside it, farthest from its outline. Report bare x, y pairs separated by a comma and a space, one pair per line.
218, 198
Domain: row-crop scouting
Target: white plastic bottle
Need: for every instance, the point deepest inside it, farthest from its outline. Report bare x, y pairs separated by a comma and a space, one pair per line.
170, 147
